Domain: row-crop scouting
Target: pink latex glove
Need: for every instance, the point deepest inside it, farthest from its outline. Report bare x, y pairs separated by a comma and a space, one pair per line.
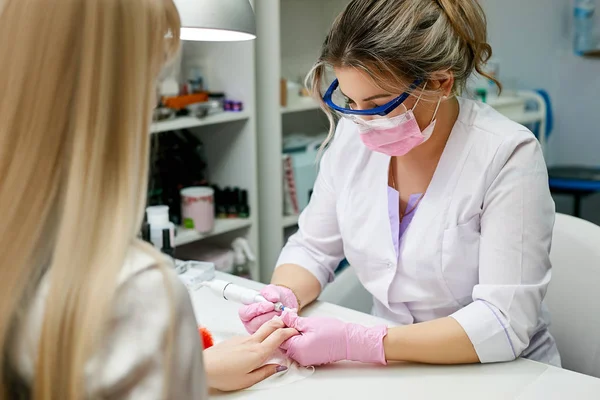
327, 340
253, 316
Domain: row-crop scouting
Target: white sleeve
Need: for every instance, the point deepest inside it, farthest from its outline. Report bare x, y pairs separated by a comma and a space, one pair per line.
317, 246
132, 362
514, 265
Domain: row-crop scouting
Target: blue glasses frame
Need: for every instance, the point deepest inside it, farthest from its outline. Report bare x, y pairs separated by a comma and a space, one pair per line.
381, 110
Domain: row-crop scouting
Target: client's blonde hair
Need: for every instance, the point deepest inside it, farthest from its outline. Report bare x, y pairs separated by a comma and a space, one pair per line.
397, 41
77, 79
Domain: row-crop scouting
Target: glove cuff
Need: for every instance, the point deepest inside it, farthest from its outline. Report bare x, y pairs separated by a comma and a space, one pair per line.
366, 344
297, 305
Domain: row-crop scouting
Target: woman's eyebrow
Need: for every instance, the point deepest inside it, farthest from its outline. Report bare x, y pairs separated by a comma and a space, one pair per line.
378, 96
371, 98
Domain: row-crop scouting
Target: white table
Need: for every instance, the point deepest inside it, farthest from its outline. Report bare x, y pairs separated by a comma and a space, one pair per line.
521, 379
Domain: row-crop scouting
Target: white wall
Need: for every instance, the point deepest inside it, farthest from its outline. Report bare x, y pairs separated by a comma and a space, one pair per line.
304, 26
532, 41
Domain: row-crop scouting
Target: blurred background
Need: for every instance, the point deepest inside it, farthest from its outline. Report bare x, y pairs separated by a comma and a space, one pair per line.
235, 118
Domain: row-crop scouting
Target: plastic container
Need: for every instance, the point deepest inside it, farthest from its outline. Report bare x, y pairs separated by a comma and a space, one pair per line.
192, 279
197, 272
206, 269
180, 266
158, 219
583, 25
303, 151
198, 208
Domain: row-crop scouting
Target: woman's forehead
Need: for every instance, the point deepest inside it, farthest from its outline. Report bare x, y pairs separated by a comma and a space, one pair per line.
354, 82
358, 84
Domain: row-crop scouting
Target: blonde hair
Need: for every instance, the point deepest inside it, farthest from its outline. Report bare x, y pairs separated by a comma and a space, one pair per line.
396, 42
77, 79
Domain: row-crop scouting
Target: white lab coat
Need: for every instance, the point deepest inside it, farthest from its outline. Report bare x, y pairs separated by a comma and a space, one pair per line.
477, 248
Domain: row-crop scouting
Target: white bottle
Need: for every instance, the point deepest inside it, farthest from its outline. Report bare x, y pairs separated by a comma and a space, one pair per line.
158, 219
169, 87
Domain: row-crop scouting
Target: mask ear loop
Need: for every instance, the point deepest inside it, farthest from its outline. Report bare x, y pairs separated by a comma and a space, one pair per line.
419, 99
437, 108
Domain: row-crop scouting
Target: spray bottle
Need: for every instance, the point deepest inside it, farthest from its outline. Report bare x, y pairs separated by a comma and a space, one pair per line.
243, 259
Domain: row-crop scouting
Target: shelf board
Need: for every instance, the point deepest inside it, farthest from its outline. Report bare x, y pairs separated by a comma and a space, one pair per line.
222, 226
302, 105
290, 220
192, 122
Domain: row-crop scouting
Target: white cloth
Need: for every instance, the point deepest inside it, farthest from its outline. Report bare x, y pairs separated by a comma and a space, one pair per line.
130, 363
477, 248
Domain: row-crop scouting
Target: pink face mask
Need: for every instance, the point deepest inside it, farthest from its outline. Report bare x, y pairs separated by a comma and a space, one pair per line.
395, 136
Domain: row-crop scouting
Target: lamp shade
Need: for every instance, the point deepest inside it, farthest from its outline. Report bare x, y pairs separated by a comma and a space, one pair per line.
216, 20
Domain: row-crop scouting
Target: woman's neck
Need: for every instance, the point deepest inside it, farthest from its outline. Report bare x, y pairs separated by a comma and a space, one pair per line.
432, 149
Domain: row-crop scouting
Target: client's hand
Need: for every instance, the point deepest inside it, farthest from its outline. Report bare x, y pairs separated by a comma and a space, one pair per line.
254, 315
236, 364
327, 340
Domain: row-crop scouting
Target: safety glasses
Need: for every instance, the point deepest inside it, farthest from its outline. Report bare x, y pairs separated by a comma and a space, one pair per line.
333, 98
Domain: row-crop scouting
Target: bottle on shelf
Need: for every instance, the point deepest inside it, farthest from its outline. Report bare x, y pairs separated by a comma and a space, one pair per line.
166, 243
158, 219
232, 208
220, 202
583, 25
243, 207
226, 200
231, 202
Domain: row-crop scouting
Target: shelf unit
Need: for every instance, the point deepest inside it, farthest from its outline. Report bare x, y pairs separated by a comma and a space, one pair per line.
192, 122
222, 226
229, 138
306, 104
286, 48
592, 54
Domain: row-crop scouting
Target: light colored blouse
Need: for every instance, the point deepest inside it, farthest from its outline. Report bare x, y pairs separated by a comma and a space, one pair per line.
130, 363
398, 227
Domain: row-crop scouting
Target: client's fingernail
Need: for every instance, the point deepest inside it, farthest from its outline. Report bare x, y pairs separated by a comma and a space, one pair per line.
281, 368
